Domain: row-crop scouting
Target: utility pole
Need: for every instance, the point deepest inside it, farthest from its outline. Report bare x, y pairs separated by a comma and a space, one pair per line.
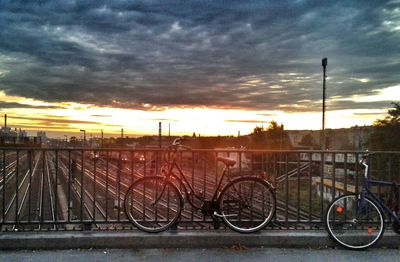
102, 139
122, 137
159, 134
84, 137
323, 137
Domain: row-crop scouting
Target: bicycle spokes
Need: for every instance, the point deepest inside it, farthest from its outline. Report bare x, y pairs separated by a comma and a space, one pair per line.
353, 223
247, 204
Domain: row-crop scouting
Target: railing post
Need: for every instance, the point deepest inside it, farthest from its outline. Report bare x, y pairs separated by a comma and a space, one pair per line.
16, 188
30, 185
56, 189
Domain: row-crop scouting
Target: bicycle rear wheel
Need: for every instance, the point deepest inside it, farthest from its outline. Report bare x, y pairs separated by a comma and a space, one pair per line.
352, 224
247, 204
153, 204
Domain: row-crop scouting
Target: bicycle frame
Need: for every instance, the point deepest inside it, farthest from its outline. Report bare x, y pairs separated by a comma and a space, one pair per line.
188, 189
365, 191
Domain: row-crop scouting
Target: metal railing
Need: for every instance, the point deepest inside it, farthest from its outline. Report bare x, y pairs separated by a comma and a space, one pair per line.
83, 189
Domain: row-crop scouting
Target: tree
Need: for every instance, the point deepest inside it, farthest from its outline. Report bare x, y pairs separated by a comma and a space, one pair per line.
258, 138
307, 140
274, 137
386, 135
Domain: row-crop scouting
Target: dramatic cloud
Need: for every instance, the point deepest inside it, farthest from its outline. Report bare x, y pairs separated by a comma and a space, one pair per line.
56, 121
4, 105
223, 54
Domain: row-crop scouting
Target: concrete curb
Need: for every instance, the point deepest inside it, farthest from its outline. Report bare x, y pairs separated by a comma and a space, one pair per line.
179, 239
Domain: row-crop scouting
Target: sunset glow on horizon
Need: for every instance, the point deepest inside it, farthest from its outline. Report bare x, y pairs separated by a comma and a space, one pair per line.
58, 118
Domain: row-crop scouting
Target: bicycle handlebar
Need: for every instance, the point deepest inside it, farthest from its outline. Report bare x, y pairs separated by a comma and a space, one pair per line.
365, 157
178, 141
363, 162
177, 144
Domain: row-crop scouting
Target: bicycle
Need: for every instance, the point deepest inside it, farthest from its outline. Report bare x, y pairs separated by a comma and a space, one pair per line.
356, 221
154, 203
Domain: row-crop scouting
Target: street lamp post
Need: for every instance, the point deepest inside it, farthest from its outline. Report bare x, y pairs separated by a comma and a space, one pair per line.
66, 140
84, 136
102, 139
323, 138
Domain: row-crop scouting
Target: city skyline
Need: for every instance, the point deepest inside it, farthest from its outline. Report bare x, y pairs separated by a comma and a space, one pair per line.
207, 67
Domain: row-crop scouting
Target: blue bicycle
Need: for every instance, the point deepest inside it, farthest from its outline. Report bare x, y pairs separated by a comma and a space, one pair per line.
356, 221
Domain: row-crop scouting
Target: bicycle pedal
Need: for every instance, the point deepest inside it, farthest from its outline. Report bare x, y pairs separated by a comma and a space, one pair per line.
216, 222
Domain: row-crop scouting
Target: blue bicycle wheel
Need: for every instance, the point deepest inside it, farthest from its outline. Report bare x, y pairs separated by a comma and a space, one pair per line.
354, 224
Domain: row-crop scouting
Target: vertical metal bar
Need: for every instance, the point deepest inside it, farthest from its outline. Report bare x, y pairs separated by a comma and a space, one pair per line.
252, 161
240, 162
69, 185
333, 175
133, 164
204, 176
107, 174
345, 173
94, 185
390, 169
81, 180
56, 190
286, 189
119, 185
144, 163
298, 186
310, 204
193, 185
144, 189
155, 197
42, 186
4, 186
158, 159
30, 186
16, 188
275, 181
345, 183
216, 171
180, 159
356, 172
322, 186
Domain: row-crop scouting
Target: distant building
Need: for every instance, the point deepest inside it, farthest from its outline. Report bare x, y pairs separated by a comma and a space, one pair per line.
6, 131
13, 137
296, 138
353, 138
42, 136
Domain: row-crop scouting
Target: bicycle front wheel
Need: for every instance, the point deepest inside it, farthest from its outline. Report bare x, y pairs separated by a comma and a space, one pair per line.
153, 204
354, 223
247, 204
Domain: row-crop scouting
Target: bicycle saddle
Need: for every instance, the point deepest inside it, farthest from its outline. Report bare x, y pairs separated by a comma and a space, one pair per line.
226, 160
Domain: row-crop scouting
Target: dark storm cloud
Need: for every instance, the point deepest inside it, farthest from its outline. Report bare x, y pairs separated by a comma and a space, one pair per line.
7, 105
239, 54
245, 121
59, 121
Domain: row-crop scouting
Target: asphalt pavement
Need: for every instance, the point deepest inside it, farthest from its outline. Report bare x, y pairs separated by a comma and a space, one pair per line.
228, 254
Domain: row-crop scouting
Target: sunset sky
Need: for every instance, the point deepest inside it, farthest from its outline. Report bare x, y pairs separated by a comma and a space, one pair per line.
210, 67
